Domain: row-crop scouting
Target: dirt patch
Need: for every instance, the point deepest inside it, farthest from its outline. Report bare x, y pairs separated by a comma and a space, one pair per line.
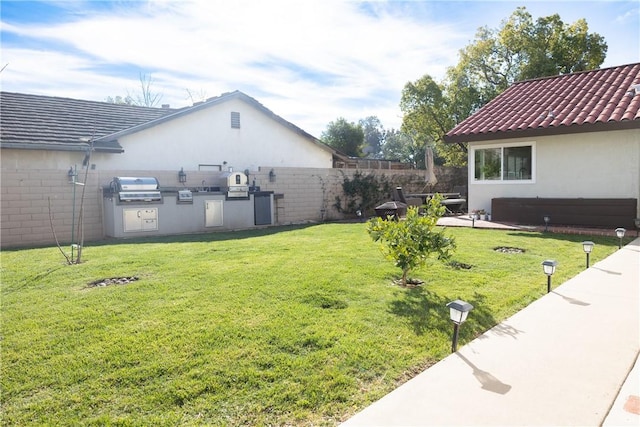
460, 265
509, 250
112, 281
411, 283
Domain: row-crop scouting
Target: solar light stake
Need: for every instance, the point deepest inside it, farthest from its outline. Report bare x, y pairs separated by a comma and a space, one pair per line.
549, 267
587, 247
546, 219
454, 341
458, 312
620, 233
637, 224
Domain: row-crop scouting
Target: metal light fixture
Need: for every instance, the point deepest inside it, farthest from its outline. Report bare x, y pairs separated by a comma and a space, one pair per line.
546, 219
637, 224
587, 247
72, 175
549, 267
458, 312
182, 176
620, 233
272, 176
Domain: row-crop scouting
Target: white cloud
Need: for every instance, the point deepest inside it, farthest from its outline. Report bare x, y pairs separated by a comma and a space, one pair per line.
308, 61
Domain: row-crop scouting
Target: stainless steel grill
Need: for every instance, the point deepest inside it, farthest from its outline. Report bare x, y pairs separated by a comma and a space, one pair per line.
132, 189
237, 184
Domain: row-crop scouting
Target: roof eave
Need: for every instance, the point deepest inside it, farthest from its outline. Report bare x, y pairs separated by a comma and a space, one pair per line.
59, 147
550, 131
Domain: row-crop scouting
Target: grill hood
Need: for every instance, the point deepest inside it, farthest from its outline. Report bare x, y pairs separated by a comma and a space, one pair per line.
136, 189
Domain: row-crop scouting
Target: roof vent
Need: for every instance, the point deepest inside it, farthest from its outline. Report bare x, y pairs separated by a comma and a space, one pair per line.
235, 120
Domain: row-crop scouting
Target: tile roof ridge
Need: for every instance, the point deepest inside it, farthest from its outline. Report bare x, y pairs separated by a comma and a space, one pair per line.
576, 73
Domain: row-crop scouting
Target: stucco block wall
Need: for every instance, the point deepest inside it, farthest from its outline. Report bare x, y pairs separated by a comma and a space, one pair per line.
310, 194
34, 204
587, 165
306, 195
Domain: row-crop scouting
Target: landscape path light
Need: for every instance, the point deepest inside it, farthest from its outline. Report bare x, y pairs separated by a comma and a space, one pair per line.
620, 233
587, 247
637, 224
546, 219
458, 312
549, 267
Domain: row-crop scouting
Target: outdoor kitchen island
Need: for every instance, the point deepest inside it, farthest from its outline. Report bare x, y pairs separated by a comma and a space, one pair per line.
133, 211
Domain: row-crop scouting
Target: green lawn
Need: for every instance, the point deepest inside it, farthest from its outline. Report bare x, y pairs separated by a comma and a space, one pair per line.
294, 325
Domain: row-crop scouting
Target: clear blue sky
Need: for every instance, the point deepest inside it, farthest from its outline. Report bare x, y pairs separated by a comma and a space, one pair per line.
309, 61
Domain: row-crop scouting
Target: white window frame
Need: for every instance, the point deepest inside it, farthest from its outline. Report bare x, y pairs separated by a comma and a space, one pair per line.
472, 163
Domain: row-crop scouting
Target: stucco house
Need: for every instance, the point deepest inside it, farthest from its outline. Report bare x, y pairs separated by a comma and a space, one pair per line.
566, 147
58, 151
51, 145
233, 129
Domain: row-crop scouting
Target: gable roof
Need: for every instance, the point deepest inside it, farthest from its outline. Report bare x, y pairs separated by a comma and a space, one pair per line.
112, 138
590, 101
53, 123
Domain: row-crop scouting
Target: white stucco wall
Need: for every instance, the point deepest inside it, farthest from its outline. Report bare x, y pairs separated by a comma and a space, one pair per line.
588, 165
205, 137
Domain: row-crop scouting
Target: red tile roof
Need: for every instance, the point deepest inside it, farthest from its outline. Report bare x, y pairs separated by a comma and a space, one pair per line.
604, 99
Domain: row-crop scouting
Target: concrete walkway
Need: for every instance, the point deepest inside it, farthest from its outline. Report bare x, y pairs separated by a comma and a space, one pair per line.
563, 360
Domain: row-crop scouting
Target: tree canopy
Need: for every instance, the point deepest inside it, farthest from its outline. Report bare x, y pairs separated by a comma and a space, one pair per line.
519, 49
373, 136
345, 137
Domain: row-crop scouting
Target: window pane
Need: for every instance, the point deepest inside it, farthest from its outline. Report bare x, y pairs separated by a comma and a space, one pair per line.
517, 163
487, 164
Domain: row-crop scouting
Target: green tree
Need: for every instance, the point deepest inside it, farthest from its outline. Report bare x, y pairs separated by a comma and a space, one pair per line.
519, 49
373, 136
345, 137
427, 118
398, 146
410, 242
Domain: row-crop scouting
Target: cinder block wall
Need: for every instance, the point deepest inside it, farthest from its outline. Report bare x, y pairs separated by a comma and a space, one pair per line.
310, 194
35, 204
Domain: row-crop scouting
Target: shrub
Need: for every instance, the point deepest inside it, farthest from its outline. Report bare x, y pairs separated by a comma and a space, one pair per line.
410, 242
